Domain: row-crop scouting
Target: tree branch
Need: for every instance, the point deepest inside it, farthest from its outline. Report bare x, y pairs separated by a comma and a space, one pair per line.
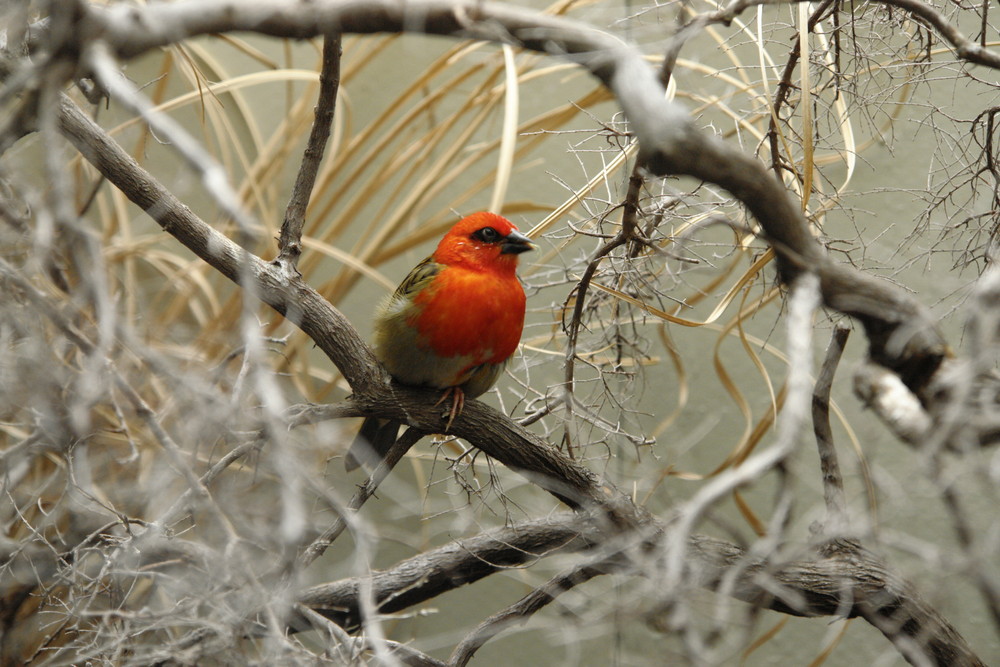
290, 240
833, 481
844, 579
437, 571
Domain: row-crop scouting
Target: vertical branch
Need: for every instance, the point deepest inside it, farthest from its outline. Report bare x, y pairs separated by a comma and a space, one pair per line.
290, 239
573, 330
833, 482
984, 23
785, 89
290, 250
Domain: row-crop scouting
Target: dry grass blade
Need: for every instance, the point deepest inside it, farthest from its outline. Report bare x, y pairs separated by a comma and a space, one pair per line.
508, 135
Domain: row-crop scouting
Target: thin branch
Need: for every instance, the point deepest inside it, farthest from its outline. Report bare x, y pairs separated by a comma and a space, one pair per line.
462, 562
784, 88
290, 239
520, 612
965, 48
231, 457
833, 481
576, 319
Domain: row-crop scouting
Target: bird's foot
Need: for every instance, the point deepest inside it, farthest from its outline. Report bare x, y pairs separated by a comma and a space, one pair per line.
457, 404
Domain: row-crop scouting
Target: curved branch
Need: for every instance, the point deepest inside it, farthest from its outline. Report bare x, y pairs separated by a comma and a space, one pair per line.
833, 481
437, 571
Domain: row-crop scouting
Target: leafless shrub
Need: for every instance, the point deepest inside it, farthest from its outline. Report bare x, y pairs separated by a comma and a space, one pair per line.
173, 425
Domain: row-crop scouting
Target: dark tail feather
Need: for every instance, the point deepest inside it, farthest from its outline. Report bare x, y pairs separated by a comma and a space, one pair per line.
372, 442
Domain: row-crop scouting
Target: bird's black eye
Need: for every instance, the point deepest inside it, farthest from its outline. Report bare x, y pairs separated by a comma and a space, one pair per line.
487, 235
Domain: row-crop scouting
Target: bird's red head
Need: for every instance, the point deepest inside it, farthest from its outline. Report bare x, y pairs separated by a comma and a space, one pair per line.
486, 241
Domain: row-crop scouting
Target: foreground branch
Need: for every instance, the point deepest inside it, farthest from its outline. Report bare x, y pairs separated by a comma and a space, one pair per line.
438, 571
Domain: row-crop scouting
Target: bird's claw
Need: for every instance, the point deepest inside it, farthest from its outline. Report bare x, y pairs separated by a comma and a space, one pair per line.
457, 404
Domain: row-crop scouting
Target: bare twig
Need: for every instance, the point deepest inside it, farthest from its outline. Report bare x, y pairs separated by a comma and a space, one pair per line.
290, 239
833, 482
783, 90
520, 612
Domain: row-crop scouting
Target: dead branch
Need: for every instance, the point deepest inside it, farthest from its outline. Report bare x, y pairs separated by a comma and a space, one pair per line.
290, 241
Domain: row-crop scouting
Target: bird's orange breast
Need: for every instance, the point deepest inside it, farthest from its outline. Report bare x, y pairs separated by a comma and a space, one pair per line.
471, 312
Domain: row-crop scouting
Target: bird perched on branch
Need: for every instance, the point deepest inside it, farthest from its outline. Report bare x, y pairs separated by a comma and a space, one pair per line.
452, 323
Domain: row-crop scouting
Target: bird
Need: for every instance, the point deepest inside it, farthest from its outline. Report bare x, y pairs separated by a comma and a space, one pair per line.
452, 324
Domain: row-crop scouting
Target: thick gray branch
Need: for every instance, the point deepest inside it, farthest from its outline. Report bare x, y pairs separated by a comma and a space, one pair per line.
434, 572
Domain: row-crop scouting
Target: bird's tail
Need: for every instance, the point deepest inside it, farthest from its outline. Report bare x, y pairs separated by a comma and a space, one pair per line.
371, 443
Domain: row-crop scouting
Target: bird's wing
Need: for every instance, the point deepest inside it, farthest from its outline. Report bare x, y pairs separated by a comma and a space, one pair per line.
421, 276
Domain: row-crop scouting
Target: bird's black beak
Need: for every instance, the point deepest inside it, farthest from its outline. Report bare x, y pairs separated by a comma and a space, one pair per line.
515, 243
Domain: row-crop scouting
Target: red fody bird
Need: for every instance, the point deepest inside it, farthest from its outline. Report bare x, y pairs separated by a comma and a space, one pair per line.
452, 323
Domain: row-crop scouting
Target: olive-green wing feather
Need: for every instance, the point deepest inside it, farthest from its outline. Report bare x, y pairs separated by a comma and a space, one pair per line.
376, 435
421, 276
